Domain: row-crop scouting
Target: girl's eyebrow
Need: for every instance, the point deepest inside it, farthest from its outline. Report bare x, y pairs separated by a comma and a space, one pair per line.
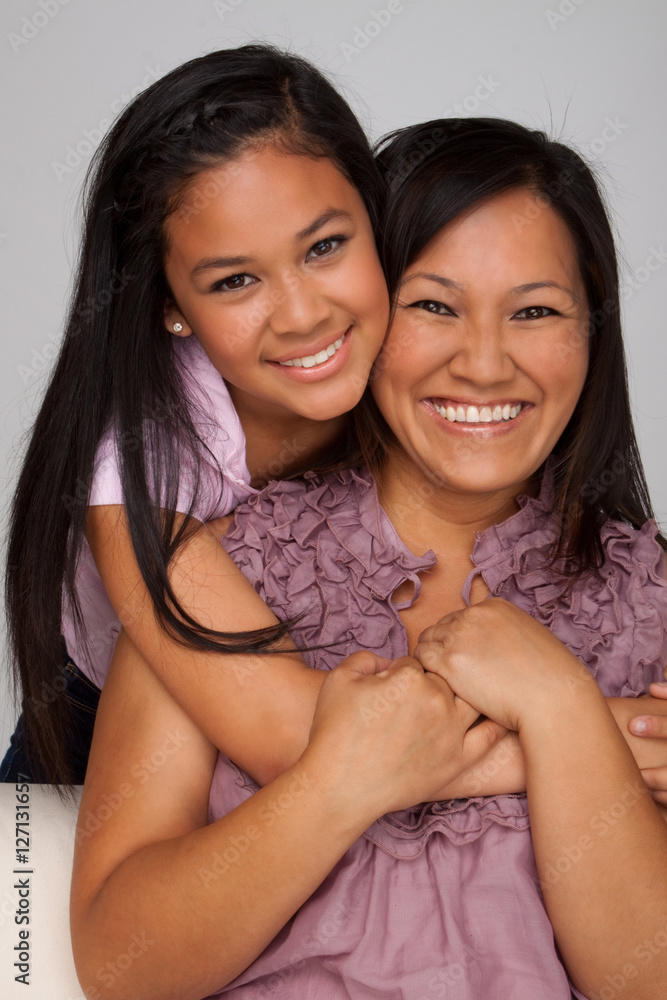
217, 263
321, 220
214, 263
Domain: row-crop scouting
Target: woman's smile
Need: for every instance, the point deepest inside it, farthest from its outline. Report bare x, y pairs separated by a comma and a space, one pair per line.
488, 346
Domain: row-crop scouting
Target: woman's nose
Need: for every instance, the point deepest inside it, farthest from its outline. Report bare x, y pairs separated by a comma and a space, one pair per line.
482, 355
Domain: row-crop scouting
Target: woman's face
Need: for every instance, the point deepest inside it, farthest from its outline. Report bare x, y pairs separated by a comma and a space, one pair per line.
488, 350
272, 264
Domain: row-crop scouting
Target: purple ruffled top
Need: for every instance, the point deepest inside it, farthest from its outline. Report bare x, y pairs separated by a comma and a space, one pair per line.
441, 900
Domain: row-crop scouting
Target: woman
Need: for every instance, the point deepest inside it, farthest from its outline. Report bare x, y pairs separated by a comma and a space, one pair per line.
500, 384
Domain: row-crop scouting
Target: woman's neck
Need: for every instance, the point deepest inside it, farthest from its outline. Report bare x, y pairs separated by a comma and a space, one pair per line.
429, 515
279, 445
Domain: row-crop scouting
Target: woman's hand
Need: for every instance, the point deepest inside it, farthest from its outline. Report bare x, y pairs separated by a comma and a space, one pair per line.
503, 662
411, 731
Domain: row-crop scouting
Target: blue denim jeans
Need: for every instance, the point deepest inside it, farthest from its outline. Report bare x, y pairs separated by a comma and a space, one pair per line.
82, 697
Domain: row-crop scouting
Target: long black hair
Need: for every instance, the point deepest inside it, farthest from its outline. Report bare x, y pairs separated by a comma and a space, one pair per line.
115, 364
439, 169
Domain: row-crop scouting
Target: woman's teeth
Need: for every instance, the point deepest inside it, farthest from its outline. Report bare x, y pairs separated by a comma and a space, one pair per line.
315, 359
478, 415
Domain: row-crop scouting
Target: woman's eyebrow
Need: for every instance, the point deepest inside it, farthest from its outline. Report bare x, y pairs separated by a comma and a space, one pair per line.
321, 220
438, 278
534, 285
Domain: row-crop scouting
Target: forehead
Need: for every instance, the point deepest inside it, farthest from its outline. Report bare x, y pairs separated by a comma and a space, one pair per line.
515, 232
261, 193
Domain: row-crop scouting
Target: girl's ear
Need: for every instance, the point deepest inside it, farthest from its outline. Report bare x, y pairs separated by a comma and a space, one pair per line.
175, 322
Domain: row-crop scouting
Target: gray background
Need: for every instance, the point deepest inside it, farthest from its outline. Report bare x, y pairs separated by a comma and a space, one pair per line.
589, 71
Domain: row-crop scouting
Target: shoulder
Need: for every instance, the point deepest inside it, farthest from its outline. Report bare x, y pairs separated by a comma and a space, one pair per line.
301, 510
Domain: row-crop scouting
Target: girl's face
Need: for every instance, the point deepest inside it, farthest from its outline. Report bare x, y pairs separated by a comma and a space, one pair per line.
272, 264
488, 351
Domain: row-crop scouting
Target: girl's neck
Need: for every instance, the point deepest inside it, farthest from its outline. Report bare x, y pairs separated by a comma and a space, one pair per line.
279, 445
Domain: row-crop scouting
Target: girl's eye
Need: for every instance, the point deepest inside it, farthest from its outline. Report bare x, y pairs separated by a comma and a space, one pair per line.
324, 248
535, 312
431, 306
233, 282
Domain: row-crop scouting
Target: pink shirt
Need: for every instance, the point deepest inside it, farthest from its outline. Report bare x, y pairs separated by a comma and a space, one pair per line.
219, 427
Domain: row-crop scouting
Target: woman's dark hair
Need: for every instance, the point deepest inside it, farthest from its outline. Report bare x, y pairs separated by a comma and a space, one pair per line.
436, 171
115, 364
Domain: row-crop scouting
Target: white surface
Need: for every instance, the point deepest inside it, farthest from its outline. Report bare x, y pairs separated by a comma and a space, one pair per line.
51, 975
590, 71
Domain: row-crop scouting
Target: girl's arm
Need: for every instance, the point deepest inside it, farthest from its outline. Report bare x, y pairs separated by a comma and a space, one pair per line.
600, 844
258, 709
193, 905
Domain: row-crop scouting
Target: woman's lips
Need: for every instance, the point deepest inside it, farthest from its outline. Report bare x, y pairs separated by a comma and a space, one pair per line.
490, 419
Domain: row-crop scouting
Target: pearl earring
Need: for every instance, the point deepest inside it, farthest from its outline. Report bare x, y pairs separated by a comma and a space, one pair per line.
178, 327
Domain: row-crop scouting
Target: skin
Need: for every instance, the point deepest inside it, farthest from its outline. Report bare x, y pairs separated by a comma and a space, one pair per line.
309, 274
119, 884
290, 296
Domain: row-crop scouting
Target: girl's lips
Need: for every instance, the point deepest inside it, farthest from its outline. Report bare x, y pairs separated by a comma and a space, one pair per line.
331, 366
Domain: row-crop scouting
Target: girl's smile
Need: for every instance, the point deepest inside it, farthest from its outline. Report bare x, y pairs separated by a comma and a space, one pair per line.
278, 277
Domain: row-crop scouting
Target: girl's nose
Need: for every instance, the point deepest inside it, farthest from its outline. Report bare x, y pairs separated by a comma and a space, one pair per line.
297, 306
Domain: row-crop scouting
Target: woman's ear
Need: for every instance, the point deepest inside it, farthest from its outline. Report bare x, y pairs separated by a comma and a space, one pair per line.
175, 322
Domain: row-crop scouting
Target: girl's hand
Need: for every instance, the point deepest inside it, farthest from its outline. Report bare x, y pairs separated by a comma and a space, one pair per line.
391, 734
503, 662
653, 727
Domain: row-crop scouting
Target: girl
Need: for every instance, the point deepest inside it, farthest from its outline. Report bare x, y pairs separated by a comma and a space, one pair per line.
229, 303
501, 391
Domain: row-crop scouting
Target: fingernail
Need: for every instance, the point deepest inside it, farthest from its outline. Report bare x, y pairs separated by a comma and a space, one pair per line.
638, 725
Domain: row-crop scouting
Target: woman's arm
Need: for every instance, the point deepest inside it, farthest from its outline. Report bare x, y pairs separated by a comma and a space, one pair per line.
600, 844
258, 709
147, 878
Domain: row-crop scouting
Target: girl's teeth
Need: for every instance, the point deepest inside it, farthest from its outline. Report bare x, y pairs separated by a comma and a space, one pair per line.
314, 359
477, 415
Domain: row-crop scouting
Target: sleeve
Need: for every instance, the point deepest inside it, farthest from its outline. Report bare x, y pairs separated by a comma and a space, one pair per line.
218, 426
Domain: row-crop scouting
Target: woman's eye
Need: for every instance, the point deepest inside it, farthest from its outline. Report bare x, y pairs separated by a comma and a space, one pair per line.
431, 306
323, 248
535, 312
233, 282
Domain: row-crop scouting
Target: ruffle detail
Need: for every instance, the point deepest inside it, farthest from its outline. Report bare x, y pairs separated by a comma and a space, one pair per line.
613, 619
325, 549
405, 834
